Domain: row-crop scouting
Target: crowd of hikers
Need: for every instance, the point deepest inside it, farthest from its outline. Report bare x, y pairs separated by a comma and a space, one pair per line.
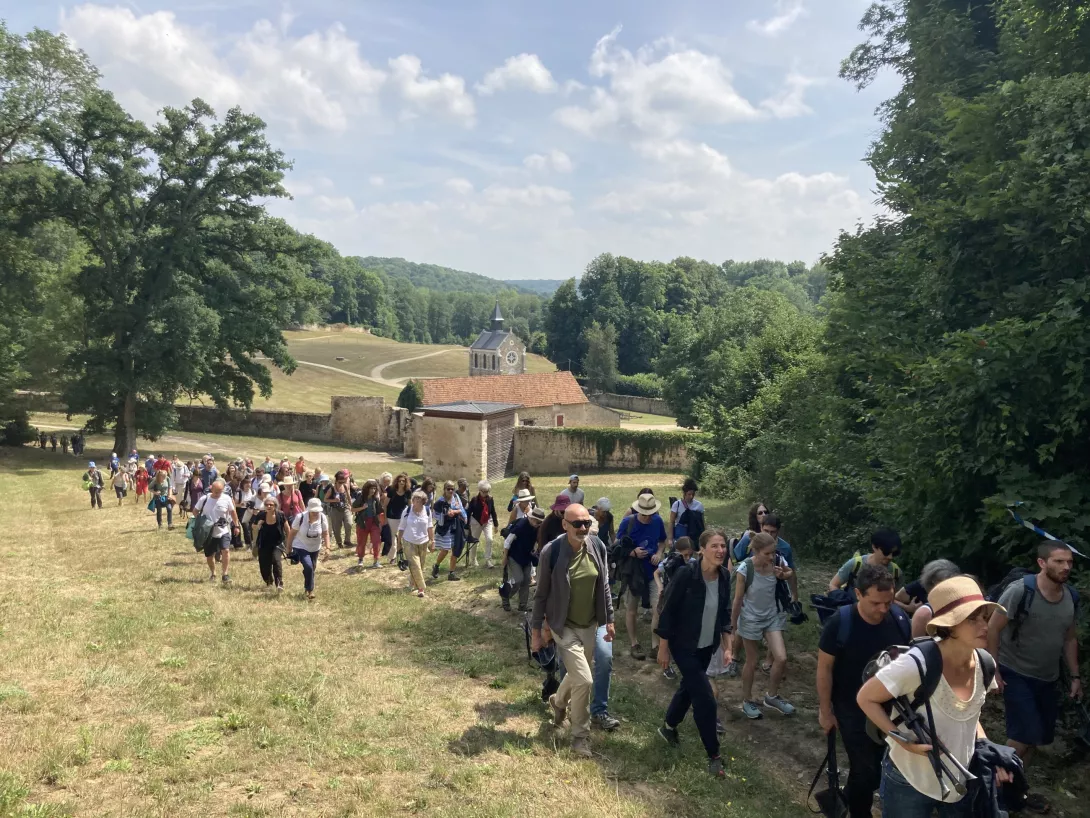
903, 668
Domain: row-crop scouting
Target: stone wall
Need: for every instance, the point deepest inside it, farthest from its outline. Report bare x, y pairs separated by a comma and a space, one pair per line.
259, 423
369, 422
453, 447
631, 403
575, 414
552, 451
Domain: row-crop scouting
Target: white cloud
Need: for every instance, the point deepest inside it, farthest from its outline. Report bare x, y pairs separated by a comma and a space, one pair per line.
459, 185
377, 181
790, 102
529, 196
787, 14
661, 89
446, 95
553, 160
524, 71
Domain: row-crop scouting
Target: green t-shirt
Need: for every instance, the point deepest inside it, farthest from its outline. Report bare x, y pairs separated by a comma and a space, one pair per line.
583, 576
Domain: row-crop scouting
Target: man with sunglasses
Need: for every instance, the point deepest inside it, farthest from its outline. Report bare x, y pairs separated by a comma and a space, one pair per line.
571, 601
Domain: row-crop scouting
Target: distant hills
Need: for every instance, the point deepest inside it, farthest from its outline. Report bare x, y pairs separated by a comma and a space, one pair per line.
435, 277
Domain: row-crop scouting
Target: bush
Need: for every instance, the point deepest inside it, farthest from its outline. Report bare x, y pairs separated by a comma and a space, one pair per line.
411, 397
18, 431
643, 385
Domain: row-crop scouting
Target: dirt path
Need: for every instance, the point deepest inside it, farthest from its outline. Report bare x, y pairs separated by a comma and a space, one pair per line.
376, 373
350, 374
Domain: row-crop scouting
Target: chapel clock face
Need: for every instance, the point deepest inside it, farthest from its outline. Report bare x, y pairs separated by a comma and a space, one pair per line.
512, 358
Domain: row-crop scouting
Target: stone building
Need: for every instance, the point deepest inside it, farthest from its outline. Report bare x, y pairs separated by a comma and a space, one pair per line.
497, 351
544, 398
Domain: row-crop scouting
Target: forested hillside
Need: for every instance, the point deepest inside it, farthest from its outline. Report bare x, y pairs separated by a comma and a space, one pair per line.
434, 277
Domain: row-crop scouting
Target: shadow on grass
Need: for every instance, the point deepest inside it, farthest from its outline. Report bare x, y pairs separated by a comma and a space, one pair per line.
481, 738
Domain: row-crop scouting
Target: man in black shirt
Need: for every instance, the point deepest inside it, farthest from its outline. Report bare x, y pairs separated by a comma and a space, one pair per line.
874, 624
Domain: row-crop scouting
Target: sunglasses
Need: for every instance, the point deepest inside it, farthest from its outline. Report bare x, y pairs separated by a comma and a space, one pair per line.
580, 523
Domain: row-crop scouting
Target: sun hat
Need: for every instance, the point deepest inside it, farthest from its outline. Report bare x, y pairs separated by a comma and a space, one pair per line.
314, 504
955, 600
288, 481
562, 502
485, 486
604, 504
537, 513
323, 478
524, 496
647, 505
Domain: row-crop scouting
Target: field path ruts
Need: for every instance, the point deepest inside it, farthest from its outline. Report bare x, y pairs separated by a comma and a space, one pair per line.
376, 373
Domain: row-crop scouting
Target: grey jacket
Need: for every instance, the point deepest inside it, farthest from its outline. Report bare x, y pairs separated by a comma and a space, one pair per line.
554, 590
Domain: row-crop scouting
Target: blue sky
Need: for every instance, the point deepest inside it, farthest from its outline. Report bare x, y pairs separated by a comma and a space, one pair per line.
520, 140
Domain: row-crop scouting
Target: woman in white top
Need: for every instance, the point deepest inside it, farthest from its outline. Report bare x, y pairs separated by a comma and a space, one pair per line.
309, 535
910, 786
416, 536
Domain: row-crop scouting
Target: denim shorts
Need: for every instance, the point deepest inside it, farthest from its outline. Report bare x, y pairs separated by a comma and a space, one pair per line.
1032, 707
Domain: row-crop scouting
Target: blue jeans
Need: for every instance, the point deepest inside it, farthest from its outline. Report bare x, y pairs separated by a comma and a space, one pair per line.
309, 561
603, 670
901, 800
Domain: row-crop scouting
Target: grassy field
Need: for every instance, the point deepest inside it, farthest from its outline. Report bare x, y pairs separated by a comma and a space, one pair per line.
309, 389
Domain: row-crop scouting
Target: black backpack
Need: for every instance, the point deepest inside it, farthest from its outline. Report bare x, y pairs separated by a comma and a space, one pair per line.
930, 675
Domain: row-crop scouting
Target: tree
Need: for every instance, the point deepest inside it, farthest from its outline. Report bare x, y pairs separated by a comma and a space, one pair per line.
188, 279
411, 397
564, 327
600, 363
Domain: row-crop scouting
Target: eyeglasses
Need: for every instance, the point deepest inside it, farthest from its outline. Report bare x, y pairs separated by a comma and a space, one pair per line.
580, 523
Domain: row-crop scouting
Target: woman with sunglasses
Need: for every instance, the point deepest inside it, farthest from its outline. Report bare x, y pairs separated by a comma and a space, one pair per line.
270, 531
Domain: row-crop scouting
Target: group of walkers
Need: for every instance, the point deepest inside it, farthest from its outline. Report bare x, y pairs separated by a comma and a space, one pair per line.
710, 597
75, 443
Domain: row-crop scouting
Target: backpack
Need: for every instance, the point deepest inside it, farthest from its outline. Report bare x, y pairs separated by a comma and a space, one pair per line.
930, 675
1029, 593
857, 565
692, 519
783, 591
844, 629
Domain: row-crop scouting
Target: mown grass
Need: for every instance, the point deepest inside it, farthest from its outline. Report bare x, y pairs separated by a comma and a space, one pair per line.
131, 686
308, 389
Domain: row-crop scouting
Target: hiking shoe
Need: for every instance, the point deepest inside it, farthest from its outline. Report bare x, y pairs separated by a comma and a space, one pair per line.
752, 710
524, 609
435, 571
604, 721
558, 712
453, 577
780, 703
507, 607
636, 652
1037, 804
731, 669
581, 747
715, 768
226, 579
720, 730
670, 673
669, 735
310, 596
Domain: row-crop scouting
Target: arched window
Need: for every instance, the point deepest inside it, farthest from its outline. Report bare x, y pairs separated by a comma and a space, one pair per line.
474, 360
493, 362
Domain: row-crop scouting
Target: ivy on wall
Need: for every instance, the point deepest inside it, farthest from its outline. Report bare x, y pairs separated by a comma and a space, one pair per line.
605, 440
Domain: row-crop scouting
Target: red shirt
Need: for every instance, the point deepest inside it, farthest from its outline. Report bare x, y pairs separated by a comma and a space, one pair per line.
162, 464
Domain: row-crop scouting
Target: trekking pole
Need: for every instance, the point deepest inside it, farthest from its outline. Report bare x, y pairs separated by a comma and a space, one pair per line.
925, 735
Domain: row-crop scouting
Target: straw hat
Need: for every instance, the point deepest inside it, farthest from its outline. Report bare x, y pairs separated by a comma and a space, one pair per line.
647, 505
954, 601
288, 481
524, 496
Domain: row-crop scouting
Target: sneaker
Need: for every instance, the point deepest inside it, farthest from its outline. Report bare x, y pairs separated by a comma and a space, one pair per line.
752, 710
720, 730
558, 712
669, 735
310, 596
435, 571
476, 564
280, 589
489, 564
780, 703
170, 528
419, 594
226, 579
636, 652
715, 768
581, 747
377, 564
453, 577
731, 669
670, 673
359, 563
524, 609
604, 721
506, 607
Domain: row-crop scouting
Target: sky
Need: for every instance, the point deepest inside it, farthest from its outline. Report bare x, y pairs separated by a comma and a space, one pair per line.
521, 140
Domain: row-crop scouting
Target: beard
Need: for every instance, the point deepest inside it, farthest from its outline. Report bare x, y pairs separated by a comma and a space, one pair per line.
1056, 575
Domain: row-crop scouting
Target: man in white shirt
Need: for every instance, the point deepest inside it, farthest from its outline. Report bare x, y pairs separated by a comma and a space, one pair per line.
573, 492
220, 509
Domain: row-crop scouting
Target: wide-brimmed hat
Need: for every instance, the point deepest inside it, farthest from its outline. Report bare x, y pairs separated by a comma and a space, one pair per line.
314, 504
647, 505
562, 502
524, 496
955, 600
288, 481
537, 514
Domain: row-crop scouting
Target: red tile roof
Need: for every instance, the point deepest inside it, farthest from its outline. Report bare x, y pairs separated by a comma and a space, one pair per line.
542, 389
